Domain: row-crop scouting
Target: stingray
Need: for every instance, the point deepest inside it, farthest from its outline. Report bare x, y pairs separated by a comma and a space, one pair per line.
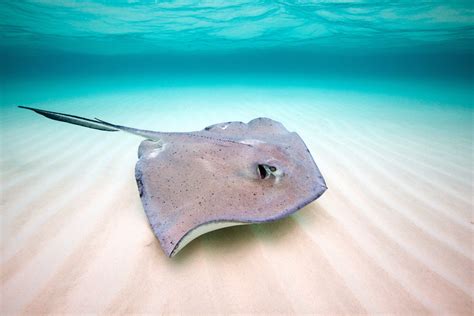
227, 174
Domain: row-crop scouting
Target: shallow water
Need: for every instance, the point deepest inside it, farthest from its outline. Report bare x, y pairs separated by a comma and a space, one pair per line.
381, 93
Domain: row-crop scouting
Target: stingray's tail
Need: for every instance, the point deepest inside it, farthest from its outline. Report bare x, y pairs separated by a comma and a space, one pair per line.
95, 123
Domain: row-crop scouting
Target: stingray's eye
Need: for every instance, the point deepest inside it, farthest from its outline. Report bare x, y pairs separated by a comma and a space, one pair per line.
265, 171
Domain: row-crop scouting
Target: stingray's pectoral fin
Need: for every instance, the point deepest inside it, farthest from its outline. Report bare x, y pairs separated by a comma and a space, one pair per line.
95, 123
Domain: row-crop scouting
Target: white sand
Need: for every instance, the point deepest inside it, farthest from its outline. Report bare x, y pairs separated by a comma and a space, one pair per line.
393, 234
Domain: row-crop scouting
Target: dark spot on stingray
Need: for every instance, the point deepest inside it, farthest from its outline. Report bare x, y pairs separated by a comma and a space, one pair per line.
262, 150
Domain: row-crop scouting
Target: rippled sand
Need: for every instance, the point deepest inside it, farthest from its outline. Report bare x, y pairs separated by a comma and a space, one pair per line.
393, 234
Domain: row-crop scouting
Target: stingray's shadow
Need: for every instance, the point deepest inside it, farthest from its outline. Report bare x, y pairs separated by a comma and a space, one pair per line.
237, 238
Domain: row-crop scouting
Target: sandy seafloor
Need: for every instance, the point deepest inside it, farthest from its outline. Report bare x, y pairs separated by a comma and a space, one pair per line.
393, 234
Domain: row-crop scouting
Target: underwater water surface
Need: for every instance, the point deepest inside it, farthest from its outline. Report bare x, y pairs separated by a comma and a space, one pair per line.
333, 44
380, 91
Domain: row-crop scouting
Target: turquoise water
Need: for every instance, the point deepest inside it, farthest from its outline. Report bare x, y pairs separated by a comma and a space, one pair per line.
430, 38
111, 27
